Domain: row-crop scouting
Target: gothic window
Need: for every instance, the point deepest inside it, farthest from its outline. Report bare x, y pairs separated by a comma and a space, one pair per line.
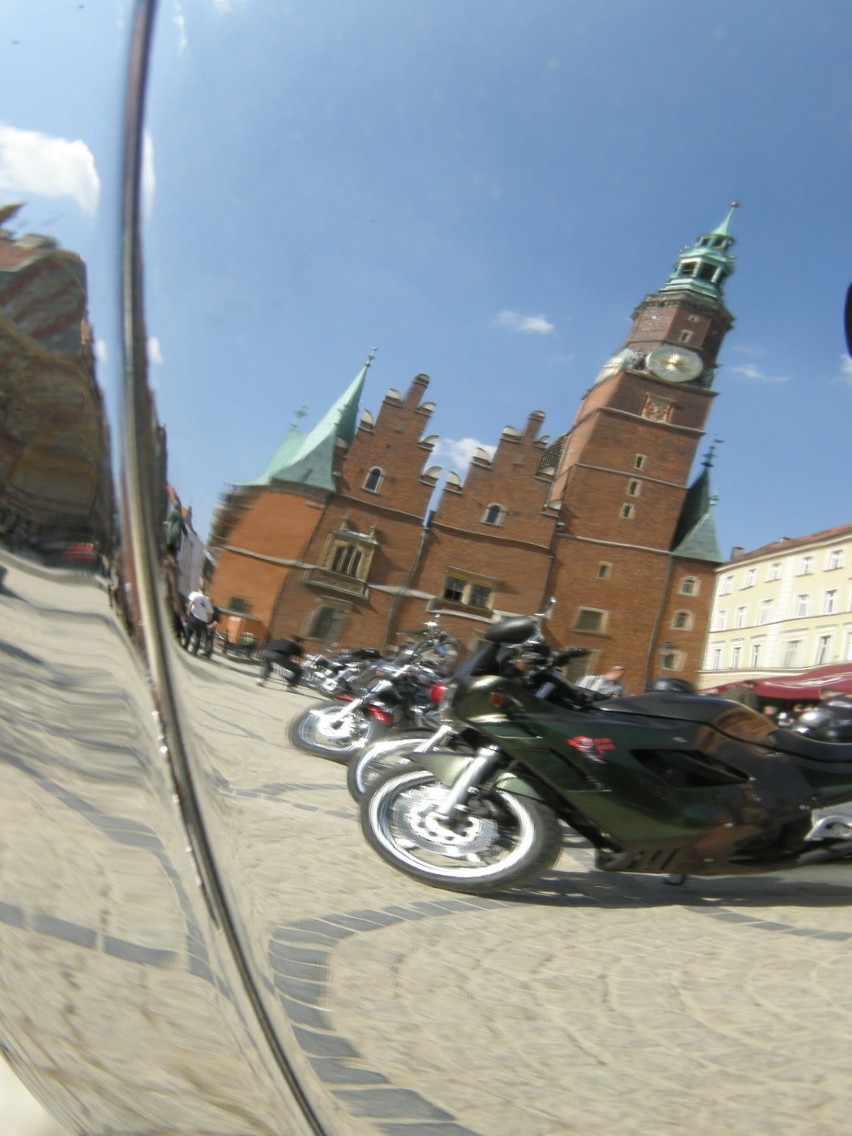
346, 560
639, 461
682, 620
590, 619
494, 515
327, 624
374, 479
672, 660
689, 586
634, 487
685, 337
604, 570
628, 512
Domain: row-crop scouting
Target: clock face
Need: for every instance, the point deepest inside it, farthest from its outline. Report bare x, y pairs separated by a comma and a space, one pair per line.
674, 364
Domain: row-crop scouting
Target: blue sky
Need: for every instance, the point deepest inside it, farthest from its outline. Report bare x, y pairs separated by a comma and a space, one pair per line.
483, 191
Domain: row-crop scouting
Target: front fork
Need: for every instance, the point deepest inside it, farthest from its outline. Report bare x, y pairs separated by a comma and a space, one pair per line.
455, 801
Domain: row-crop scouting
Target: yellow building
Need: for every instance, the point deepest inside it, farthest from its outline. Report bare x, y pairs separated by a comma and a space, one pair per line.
782, 609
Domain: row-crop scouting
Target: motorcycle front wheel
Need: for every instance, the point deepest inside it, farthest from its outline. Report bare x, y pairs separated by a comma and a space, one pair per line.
374, 760
501, 842
327, 731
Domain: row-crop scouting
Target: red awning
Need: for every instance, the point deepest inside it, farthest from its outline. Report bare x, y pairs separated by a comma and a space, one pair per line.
806, 686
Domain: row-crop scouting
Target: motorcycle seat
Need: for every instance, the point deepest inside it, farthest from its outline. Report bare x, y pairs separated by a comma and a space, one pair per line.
799, 745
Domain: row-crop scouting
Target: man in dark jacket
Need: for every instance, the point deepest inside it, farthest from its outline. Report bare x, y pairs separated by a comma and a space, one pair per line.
284, 652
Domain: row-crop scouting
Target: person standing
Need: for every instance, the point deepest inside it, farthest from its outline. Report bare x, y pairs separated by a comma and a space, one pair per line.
609, 684
199, 614
284, 652
744, 693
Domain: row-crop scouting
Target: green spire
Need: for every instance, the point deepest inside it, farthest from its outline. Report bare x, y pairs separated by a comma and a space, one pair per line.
704, 268
308, 458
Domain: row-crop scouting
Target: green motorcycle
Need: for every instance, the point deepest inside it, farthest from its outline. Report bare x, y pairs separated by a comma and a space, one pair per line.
664, 782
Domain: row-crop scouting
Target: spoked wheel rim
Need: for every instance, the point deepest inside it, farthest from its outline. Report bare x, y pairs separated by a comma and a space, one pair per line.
335, 730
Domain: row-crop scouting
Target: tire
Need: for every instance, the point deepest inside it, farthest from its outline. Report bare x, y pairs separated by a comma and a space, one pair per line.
504, 841
374, 760
325, 731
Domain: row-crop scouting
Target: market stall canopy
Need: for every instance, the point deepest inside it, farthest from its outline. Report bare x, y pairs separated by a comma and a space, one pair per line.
805, 686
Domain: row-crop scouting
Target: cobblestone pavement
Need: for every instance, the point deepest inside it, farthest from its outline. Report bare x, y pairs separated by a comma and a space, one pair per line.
584, 1003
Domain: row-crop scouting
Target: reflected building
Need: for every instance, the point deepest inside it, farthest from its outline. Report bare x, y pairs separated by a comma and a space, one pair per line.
55, 486
335, 540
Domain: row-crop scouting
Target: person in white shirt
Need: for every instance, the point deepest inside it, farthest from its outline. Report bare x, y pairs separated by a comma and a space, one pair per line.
608, 684
199, 613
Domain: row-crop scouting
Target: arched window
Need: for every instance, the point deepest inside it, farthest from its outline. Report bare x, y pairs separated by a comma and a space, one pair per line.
494, 515
347, 559
374, 479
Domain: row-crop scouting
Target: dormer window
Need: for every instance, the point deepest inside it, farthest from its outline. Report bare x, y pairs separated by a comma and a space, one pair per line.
373, 480
494, 515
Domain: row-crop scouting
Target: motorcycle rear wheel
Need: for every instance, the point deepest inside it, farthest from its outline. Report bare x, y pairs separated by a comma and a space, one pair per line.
324, 731
504, 841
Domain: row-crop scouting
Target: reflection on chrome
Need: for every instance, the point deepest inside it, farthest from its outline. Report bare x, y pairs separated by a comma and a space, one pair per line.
195, 937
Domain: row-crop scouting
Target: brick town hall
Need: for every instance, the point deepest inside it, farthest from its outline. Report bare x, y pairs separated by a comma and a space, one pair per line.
335, 540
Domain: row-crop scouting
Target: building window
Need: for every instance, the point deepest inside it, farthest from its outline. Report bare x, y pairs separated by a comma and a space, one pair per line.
682, 620
604, 570
468, 591
685, 337
756, 649
736, 655
327, 624
346, 560
835, 559
671, 660
721, 619
802, 606
806, 566
716, 660
774, 571
374, 479
847, 650
726, 586
239, 605
590, 619
689, 586
739, 617
627, 512
634, 488
790, 657
639, 461
748, 582
764, 612
823, 645
494, 515
829, 602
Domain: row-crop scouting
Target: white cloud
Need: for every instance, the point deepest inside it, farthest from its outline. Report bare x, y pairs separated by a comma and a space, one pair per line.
750, 371
33, 163
155, 351
846, 369
179, 21
458, 453
531, 325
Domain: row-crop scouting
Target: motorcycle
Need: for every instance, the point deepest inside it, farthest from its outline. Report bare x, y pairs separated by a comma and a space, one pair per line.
664, 782
337, 675
399, 695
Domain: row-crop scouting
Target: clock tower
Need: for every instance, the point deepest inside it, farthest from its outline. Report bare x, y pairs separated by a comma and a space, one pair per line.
629, 536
